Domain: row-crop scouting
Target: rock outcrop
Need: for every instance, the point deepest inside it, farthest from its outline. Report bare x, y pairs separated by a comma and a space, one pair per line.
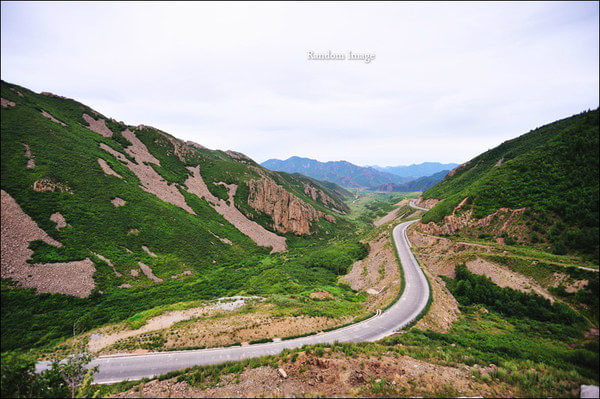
227, 209
321, 196
427, 203
289, 213
503, 220
458, 168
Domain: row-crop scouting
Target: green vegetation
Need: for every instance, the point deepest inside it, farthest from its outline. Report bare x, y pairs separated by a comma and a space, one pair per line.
369, 206
67, 156
553, 171
469, 289
539, 348
520, 356
513, 344
61, 380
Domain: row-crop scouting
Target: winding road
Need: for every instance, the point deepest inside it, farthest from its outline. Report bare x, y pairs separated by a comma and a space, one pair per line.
115, 368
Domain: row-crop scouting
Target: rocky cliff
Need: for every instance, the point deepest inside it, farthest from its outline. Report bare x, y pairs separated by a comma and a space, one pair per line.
504, 221
289, 213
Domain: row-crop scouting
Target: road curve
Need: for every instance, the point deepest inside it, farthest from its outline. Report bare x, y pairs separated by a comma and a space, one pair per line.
414, 205
115, 368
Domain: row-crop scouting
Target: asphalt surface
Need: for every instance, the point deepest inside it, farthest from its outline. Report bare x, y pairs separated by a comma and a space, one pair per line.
115, 368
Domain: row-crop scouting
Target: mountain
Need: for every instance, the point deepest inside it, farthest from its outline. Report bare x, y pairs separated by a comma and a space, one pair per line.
539, 189
419, 184
343, 173
120, 218
417, 170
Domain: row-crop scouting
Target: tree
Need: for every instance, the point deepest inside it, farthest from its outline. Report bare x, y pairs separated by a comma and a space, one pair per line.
19, 379
74, 369
18, 376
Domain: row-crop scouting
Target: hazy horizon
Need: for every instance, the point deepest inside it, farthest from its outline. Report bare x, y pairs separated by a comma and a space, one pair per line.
387, 84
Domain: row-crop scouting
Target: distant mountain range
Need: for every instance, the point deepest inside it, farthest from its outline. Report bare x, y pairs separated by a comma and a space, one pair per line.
420, 184
417, 170
348, 175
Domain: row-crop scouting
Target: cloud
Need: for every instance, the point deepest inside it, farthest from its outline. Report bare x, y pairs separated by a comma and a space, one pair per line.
449, 79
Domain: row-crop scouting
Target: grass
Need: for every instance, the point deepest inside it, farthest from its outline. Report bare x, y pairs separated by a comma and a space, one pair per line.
553, 171
183, 242
503, 353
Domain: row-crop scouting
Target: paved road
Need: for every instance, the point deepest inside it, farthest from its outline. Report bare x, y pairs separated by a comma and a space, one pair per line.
117, 368
414, 205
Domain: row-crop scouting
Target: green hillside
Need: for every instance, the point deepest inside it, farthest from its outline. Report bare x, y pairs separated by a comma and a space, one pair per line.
55, 166
552, 171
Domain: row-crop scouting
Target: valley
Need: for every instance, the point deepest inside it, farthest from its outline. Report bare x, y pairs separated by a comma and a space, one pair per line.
124, 240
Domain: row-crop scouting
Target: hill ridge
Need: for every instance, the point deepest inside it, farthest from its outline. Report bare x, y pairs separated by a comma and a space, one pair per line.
61, 157
551, 171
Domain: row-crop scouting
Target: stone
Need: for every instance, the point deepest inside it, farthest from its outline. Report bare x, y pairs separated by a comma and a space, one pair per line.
282, 373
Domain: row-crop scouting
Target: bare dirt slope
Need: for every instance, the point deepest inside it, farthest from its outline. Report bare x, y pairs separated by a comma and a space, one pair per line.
332, 375
215, 324
378, 274
18, 230
256, 232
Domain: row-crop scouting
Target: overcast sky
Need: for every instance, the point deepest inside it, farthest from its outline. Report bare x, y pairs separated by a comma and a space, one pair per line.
448, 81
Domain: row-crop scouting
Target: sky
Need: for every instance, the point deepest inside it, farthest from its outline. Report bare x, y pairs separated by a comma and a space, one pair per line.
372, 83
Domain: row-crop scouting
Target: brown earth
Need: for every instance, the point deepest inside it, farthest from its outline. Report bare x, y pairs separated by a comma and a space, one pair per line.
148, 272
444, 307
334, 374
502, 276
216, 324
59, 219
150, 180
107, 169
427, 203
97, 126
18, 230
6, 103
321, 295
458, 168
118, 201
387, 218
147, 250
504, 220
223, 240
109, 263
30, 161
53, 119
377, 274
17, 91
